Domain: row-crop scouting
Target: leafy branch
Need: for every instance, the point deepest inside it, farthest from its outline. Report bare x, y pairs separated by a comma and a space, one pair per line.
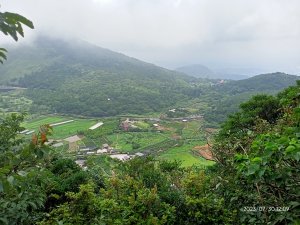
11, 24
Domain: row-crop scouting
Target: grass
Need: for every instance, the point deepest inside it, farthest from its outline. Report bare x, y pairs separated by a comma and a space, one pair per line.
36, 123
142, 124
69, 129
60, 131
183, 154
191, 129
125, 141
108, 127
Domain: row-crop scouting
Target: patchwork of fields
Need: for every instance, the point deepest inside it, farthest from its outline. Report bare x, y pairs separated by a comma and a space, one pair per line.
168, 140
184, 154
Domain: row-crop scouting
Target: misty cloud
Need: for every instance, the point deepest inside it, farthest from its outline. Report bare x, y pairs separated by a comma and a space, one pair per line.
233, 33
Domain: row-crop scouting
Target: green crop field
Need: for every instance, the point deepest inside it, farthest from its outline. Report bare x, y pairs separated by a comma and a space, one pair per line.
36, 123
191, 129
129, 141
183, 154
142, 125
66, 130
63, 130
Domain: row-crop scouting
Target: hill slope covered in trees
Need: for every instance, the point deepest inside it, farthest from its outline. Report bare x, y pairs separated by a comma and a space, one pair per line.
80, 78
225, 98
83, 79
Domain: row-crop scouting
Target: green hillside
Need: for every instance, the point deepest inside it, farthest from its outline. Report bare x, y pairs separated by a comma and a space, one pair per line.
224, 99
80, 78
261, 83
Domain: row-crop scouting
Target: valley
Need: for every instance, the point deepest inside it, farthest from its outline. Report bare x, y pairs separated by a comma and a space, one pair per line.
172, 138
144, 108
149, 112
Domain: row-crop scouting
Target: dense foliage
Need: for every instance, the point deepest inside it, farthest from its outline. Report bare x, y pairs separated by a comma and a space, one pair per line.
225, 99
38, 186
11, 24
258, 150
256, 179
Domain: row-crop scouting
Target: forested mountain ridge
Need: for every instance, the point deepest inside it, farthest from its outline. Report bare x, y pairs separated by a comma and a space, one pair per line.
260, 83
45, 52
225, 98
80, 78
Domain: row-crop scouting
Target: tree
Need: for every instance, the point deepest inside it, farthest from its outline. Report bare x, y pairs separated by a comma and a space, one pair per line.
259, 153
11, 24
22, 174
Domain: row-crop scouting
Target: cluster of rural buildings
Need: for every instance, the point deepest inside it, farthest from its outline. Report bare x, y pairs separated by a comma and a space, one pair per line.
82, 152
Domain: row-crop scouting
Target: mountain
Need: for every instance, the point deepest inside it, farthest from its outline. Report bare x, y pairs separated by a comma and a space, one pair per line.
225, 98
266, 83
76, 77
80, 78
200, 71
197, 70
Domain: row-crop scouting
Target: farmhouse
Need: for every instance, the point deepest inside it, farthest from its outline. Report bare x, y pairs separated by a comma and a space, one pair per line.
126, 124
122, 157
102, 151
139, 154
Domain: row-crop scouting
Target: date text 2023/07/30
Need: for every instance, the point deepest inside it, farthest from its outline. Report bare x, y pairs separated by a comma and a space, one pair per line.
264, 209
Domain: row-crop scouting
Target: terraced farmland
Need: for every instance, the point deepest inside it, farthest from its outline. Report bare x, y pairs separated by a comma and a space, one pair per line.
170, 140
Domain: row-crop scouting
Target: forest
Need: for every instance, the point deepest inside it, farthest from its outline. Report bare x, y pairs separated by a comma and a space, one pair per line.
255, 180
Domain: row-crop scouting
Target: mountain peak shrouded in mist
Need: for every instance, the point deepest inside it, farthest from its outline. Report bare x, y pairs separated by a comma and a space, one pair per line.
172, 33
45, 52
77, 77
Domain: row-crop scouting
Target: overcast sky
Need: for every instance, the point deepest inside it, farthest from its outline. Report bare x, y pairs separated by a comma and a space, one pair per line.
248, 35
